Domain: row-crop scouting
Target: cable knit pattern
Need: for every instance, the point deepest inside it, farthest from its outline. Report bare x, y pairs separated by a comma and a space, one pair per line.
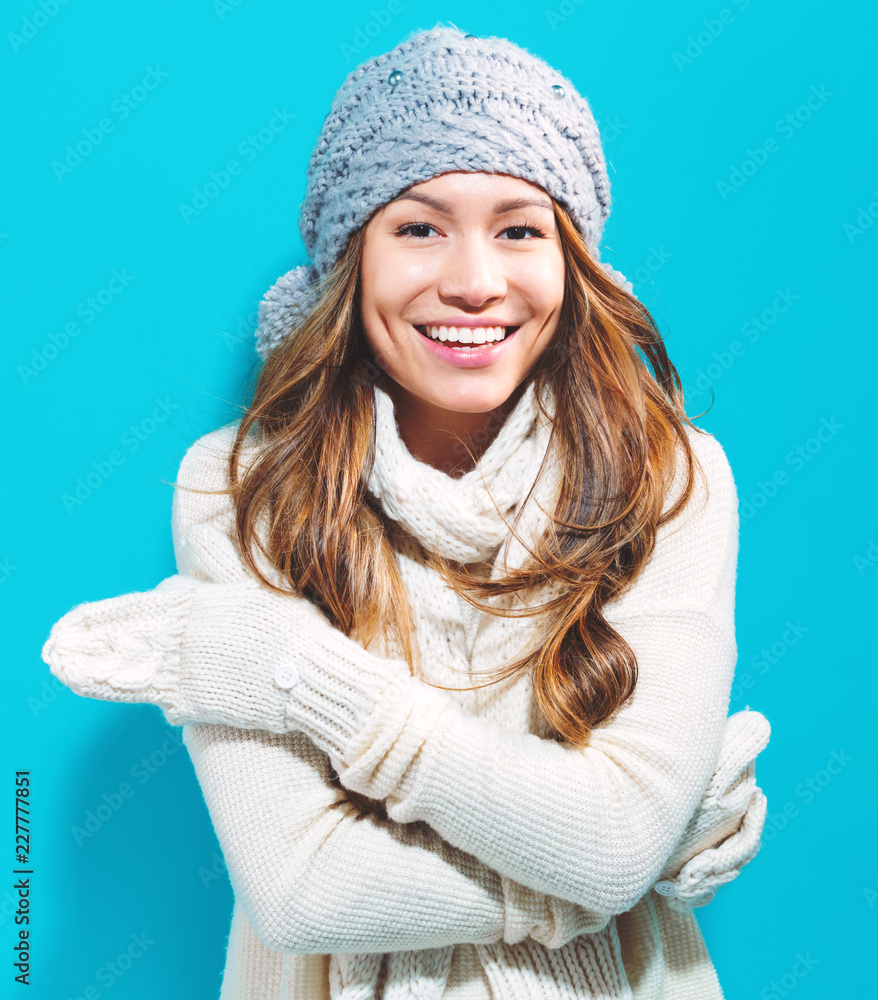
469, 784
451, 108
466, 527
439, 101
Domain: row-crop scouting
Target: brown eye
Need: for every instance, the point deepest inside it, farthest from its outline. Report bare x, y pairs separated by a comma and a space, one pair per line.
406, 230
524, 229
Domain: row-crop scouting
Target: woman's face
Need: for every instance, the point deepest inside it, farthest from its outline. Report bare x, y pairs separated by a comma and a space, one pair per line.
468, 252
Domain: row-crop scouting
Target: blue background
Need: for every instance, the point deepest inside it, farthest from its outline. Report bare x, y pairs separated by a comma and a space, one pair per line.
686, 96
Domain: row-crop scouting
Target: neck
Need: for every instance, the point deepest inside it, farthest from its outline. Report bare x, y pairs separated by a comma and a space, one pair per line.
433, 435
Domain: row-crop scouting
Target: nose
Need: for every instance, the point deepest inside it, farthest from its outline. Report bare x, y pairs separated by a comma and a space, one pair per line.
472, 274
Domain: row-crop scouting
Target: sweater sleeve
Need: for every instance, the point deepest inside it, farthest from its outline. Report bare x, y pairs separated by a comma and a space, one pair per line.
293, 840
315, 874
593, 825
605, 817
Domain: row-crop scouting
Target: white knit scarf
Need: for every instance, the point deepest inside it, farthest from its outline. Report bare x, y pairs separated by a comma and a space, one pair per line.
456, 518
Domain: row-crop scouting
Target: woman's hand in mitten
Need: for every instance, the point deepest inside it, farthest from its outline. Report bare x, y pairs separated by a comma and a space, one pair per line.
199, 645
725, 832
231, 652
722, 836
202, 652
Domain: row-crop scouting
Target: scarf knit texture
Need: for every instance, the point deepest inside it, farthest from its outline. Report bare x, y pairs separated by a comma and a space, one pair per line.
551, 947
430, 844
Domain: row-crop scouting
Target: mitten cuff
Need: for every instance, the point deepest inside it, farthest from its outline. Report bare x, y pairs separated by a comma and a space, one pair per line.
699, 879
333, 685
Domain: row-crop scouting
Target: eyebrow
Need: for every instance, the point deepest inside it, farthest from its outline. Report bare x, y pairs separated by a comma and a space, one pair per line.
500, 209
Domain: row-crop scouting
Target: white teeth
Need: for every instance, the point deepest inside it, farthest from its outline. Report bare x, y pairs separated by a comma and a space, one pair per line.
467, 335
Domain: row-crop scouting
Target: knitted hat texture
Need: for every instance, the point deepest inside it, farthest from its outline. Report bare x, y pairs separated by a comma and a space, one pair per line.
440, 101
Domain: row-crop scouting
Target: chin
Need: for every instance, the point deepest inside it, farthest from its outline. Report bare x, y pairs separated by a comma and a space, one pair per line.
468, 396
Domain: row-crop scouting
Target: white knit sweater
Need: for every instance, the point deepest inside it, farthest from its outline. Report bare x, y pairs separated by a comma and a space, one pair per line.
534, 860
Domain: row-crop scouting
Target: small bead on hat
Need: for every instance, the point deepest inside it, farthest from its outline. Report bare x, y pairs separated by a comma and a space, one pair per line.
440, 101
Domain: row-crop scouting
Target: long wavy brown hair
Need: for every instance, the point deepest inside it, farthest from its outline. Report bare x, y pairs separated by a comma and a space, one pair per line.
619, 423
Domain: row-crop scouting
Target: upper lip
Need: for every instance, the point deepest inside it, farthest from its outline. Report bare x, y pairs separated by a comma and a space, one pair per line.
470, 321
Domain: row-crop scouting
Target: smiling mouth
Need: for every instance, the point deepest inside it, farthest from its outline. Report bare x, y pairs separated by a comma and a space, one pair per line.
465, 338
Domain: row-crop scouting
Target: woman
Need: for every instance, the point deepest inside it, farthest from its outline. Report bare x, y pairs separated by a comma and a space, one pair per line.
452, 635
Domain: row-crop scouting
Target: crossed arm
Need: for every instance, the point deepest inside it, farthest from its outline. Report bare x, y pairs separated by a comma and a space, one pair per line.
315, 874
491, 834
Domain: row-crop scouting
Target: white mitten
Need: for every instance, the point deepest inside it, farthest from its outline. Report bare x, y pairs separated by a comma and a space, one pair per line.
722, 836
725, 832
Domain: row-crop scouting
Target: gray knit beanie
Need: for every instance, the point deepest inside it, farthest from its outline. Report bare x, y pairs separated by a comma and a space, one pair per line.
441, 101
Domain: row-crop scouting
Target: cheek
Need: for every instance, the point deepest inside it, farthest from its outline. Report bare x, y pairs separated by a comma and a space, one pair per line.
388, 281
382, 301
543, 283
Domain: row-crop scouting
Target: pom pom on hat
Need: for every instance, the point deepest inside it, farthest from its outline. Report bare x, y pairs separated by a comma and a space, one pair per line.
619, 278
439, 102
283, 305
